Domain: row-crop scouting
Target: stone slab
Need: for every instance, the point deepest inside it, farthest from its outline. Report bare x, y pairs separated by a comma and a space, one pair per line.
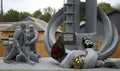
46, 64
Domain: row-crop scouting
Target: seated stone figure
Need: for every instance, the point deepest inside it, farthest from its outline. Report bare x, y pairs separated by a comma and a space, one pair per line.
10, 53
8, 48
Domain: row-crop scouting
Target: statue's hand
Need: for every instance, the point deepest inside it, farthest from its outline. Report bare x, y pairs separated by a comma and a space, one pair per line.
19, 50
18, 45
28, 43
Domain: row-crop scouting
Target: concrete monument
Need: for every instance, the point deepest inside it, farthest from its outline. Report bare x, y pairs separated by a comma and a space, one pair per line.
85, 43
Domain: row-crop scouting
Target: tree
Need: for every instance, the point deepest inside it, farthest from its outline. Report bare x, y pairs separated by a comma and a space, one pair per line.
46, 17
47, 13
49, 10
1, 12
37, 14
11, 16
0, 17
106, 7
23, 15
14, 16
63, 27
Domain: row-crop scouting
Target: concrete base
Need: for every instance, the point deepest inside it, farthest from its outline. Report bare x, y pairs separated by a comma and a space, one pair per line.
46, 64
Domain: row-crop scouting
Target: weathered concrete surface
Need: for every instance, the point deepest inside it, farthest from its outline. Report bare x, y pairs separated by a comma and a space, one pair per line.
46, 64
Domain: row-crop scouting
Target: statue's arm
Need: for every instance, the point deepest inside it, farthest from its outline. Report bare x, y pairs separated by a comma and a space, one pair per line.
35, 38
15, 37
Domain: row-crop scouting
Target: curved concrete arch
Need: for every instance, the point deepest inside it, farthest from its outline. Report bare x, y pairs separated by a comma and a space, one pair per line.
46, 35
53, 29
108, 31
113, 46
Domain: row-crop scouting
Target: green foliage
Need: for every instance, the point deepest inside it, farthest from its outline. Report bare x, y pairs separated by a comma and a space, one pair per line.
37, 14
82, 18
46, 17
63, 25
23, 15
106, 7
47, 14
11, 16
49, 10
0, 17
14, 16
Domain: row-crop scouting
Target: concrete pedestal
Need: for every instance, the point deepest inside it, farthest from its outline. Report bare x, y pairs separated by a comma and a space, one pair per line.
46, 64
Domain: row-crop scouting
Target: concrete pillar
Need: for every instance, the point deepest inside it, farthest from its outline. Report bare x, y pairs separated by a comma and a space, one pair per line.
72, 15
77, 16
91, 16
69, 15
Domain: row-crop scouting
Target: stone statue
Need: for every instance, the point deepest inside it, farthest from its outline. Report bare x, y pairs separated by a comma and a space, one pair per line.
20, 41
21, 48
32, 37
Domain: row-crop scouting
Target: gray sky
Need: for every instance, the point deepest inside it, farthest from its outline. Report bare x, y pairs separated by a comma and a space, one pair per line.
32, 5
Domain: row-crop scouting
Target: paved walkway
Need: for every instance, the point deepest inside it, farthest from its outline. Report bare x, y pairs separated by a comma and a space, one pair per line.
46, 64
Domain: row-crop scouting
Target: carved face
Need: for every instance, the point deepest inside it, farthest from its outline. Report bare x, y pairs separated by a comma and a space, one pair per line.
23, 26
31, 28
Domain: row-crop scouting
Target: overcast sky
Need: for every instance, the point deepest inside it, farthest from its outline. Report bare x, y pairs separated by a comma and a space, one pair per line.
32, 5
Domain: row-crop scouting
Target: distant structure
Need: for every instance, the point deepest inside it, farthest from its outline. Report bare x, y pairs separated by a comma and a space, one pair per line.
115, 19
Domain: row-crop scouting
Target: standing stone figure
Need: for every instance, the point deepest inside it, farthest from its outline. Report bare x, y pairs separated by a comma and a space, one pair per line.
20, 39
32, 37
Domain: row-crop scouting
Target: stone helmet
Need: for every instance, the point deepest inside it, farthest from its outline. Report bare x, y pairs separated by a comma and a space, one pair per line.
23, 25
